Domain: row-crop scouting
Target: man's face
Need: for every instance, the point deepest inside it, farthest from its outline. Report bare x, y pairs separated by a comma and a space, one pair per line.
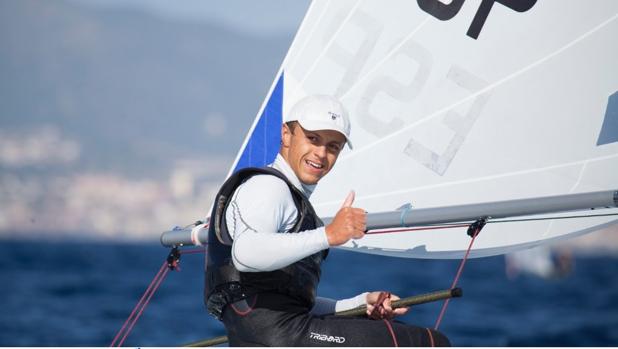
310, 154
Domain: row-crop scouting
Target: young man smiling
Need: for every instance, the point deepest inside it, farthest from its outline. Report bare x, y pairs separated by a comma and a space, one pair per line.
266, 246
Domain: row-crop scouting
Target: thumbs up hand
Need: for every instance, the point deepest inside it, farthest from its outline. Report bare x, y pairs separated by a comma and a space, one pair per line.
349, 223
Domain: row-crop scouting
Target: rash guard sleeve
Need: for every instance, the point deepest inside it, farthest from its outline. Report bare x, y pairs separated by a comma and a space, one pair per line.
328, 306
260, 213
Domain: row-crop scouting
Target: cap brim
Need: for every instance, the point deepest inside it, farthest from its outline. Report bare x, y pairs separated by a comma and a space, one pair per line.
318, 126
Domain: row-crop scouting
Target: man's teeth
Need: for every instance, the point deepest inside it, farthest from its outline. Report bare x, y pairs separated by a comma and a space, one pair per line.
314, 164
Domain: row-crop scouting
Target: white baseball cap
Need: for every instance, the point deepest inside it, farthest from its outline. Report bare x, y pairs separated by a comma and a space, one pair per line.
321, 112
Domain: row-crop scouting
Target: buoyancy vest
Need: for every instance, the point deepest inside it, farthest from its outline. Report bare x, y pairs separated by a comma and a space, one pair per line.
225, 284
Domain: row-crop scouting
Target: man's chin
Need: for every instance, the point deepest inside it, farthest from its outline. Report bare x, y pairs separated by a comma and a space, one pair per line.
310, 180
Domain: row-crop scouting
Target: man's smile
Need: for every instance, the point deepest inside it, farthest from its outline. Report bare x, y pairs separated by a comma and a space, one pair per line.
314, 164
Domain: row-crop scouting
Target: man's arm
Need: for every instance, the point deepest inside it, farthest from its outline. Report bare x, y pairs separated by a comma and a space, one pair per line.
260, 211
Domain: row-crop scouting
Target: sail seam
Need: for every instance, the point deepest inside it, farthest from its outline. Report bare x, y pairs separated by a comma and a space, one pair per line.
326, 47
309, 36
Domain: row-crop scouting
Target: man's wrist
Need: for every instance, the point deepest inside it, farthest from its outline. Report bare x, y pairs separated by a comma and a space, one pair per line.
324, 237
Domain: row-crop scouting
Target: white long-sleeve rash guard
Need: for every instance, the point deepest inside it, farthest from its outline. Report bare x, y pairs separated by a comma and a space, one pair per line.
260, 212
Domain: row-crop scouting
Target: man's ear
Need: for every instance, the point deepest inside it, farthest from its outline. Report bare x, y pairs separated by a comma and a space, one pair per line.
286, 135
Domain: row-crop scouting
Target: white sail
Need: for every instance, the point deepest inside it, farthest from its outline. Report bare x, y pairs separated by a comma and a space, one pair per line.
454, 103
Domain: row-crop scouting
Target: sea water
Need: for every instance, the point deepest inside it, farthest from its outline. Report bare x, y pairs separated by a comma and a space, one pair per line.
79, 294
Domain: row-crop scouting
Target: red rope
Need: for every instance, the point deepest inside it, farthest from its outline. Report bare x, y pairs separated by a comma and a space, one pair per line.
371, 232
139, 304
461, 266
139, 314
390, 329
375, 313
139, 308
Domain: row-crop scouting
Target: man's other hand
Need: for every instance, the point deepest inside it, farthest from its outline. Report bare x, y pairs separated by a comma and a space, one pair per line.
379, 305
349, 223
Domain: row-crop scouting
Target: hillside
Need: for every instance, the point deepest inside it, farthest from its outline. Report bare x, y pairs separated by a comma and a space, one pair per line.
115, 122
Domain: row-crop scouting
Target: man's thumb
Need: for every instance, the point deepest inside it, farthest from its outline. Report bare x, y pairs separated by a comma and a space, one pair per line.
349, 200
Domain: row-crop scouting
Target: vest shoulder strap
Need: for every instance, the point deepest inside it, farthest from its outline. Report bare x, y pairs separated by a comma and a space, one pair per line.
222, 199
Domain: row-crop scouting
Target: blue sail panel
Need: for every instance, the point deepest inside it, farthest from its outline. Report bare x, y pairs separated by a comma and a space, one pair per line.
609, 130
263, 145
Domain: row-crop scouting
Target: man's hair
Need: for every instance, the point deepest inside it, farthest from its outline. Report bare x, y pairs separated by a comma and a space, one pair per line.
292, 125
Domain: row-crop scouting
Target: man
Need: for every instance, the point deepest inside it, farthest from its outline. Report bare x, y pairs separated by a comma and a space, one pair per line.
266, 245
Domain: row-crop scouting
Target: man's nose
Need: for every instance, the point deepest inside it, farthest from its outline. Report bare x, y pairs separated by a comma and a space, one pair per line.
320, 151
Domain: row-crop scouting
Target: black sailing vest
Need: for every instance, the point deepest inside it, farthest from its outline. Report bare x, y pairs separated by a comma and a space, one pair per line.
225, 284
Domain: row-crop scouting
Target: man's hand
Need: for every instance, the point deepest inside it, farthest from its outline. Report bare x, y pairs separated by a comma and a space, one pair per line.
349, 223
379, 306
